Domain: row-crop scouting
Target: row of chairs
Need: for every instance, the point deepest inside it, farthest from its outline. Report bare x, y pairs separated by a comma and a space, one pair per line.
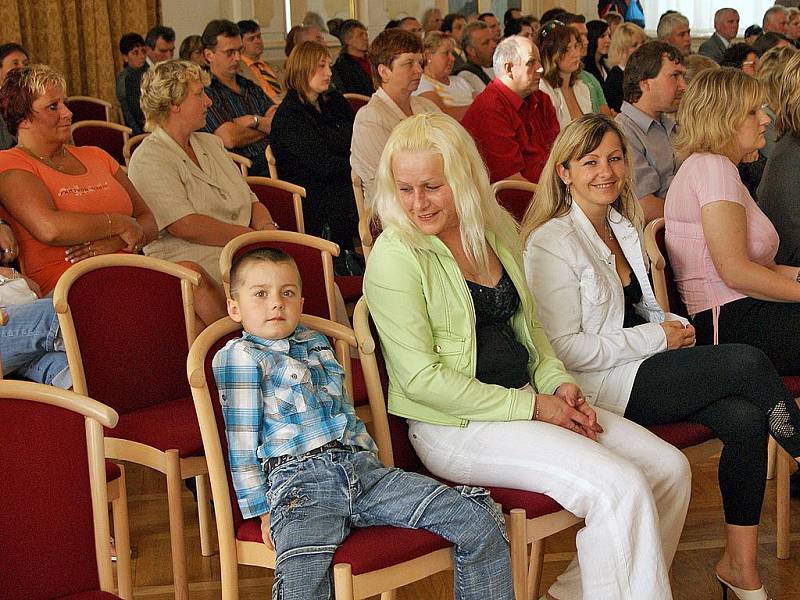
111, 336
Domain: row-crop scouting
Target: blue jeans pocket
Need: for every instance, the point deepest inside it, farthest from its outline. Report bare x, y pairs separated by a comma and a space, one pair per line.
483, 499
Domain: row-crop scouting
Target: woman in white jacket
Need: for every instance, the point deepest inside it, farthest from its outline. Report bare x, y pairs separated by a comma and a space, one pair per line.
586, 267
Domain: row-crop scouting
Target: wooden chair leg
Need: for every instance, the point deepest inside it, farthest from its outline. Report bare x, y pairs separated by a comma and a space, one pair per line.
390, 595
343, 582
772, 446
535, 569
204, 514
122, 539
177, 545
516, 526
784, 471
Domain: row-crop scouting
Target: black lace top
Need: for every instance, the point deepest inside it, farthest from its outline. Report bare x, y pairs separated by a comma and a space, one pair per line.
633, 295
502, 360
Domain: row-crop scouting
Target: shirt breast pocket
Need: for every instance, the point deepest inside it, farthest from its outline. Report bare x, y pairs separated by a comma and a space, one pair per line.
288, 382
595, 299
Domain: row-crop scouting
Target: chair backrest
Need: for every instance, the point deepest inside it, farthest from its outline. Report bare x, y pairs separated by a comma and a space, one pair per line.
314, 258
390, 432
127, 322
131, 145
111, 137
54, 527
357, 101
283, 200
515, 196
369, 227
667, 294
242, 162
271, 164
88, 108
212, 425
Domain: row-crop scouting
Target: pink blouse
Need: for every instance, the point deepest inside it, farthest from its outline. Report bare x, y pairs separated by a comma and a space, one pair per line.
702, 179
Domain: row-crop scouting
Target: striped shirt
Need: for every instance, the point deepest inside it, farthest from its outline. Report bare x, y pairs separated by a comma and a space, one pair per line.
226, 105
280, 397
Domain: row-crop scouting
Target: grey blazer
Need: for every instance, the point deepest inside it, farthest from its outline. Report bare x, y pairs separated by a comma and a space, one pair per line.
713, 48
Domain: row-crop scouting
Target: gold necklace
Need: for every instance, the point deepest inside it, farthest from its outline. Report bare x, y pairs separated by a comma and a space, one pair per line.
50, 162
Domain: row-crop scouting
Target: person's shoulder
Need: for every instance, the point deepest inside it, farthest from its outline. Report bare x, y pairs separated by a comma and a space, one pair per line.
554, 234
14, 158
236, 352
423, 105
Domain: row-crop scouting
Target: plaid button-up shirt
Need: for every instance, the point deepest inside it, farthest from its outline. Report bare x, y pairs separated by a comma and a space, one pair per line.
280, 397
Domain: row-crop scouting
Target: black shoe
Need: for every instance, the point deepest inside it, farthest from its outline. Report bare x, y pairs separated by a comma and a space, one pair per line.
794, 485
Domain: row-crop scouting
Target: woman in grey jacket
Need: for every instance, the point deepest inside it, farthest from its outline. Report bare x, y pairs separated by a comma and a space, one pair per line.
586, 268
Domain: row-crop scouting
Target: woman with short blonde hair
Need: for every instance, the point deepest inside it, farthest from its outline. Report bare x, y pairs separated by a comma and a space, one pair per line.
197, 193
770, 72
452, 95
470, 367
587, 270
722, 246
778, 194
624, 42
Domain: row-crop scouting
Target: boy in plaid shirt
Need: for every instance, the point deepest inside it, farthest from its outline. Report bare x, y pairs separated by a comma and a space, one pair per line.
304, 463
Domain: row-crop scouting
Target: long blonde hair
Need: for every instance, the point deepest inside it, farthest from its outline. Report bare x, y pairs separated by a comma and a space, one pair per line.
553, 199
466, 175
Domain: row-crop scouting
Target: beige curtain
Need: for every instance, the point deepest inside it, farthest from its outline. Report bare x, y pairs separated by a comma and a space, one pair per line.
78, 38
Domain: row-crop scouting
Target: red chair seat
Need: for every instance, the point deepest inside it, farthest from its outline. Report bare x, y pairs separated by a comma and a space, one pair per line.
683, 435
351, 286
112, 471
366, 548
149, 426
534, 504
90, 596
792, 383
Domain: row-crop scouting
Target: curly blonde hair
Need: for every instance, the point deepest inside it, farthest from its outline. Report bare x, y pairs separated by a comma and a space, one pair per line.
771, 67
712, 110
166, 84
788, 103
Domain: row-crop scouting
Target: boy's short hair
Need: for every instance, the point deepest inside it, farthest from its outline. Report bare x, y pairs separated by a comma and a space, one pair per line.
129, 41
263, 254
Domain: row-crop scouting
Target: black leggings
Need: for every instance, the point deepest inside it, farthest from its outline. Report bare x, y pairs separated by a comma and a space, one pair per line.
773, 327
734, 390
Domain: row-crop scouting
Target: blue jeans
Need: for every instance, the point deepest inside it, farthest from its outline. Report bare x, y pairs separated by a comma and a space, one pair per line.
30, 344
316, 500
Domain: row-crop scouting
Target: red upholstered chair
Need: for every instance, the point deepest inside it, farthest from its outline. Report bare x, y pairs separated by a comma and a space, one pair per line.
669, 298
127, 322
131, 145
88, 108
284, 201
108, 136
314, 258
54, 523
370, 561
271, 164
515, 196
531, 517
118, 497
357, 101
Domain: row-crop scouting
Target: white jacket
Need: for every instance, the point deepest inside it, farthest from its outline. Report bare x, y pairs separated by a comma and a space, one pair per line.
580, 303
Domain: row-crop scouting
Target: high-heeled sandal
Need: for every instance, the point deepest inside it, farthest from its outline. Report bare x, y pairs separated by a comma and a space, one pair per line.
759, 594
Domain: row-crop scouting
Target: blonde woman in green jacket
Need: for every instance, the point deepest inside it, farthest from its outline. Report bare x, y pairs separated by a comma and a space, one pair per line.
487, 401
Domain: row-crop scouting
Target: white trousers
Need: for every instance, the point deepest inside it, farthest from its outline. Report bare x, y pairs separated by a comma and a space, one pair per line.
631, 488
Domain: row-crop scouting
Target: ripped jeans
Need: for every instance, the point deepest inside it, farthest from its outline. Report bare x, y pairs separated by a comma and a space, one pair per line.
316, 500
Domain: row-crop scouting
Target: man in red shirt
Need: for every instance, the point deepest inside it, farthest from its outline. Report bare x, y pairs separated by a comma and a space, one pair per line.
513, 124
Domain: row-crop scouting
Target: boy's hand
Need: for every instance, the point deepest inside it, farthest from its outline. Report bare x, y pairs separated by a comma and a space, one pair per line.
265, 532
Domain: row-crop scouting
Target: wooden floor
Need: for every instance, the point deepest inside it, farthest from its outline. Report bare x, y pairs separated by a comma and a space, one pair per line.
692, 573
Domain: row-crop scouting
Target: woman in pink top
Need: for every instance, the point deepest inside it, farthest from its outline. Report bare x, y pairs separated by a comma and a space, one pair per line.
721, 245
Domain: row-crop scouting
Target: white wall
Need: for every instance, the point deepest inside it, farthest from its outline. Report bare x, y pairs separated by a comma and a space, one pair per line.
189, 17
